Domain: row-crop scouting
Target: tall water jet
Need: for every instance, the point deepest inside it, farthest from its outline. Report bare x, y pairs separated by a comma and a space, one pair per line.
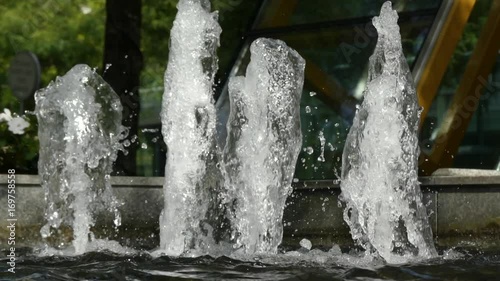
188, 126
79, 128
263, 143
379, 170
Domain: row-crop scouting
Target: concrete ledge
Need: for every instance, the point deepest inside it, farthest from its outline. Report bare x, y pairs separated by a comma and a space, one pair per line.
463, 208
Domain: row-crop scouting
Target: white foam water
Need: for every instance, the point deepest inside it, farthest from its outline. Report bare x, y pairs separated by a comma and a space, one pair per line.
188, 126
95, 245
79, 128
263, 143
379, 171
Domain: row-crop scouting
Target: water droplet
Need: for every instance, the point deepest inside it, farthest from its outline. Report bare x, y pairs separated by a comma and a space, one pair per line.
126, 143
330, 146
309, 150
304, 243
133, 139
45, 231
150, 130
117, 221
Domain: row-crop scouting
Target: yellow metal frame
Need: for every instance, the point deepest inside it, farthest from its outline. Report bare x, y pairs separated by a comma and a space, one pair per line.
442, 52
430, 78
466, 98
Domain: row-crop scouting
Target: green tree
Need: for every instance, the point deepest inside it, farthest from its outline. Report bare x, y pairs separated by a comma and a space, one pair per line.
61, 34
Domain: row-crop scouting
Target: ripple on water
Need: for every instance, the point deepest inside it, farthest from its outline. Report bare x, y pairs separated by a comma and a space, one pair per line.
313, 265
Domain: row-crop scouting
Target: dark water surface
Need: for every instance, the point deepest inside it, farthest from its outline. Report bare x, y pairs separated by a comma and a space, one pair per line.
109, 266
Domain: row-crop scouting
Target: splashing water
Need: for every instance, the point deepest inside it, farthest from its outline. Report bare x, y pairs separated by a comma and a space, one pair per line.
322, 141
79, 118
188, 125
263, 143
379, 170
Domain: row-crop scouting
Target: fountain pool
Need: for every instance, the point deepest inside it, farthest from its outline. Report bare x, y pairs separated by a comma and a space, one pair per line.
109, 266
298, 235
464, 206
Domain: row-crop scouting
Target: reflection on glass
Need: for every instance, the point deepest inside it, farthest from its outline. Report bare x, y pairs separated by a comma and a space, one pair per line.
324, 134
317, 11
480, 146
337, 59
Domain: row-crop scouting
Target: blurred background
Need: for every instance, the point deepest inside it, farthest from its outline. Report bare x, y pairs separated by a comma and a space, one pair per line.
452, 48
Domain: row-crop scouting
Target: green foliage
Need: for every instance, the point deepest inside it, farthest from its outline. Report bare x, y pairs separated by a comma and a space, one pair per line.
19, 151
158, 18
61, 34
65, 33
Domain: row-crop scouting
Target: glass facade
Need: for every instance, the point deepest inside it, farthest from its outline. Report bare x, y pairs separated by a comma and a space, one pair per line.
480, 146
319, 11
335, 37
336, 40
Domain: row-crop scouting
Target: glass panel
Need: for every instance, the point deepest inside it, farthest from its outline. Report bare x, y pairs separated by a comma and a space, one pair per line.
315, 11
480, 147
342, 55
339, 51
343, 52
324, 133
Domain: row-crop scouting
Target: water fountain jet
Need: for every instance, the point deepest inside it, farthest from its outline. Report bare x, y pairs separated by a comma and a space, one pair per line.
263, 143
188, 126
379, 178
79, 117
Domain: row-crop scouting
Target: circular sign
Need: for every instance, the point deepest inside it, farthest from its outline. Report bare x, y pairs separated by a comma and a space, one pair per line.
24, 75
